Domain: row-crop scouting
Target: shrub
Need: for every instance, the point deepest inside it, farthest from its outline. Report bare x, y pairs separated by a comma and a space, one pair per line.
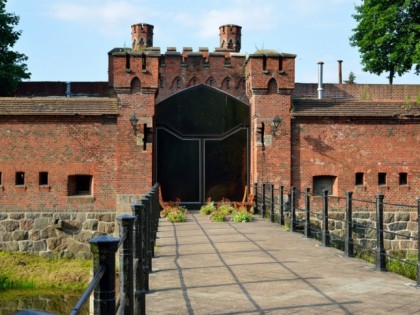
208, 208
226, 208
241, 215
174, 214
217, 216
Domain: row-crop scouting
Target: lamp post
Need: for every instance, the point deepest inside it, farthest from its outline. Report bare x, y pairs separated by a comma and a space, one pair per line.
134, 120
275, 124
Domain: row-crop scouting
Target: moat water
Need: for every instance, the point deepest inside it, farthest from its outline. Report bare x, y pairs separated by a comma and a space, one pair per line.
51, 301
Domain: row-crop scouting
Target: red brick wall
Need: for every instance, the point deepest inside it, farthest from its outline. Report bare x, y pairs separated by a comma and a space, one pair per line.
270, 91
359, 91
59, 88
61, 146
196, 69
342, 148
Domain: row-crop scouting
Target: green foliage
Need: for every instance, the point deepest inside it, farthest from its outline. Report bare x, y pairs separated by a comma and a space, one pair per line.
241, 215
226, 208
388, 36
352, 78
12, 68
409, 269
217, 216
207, 209
174, 214
23, 271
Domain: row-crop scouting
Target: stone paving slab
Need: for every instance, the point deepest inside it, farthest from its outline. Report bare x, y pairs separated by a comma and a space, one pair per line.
203, 267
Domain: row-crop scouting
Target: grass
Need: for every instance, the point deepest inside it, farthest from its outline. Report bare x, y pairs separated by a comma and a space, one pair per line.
26, 271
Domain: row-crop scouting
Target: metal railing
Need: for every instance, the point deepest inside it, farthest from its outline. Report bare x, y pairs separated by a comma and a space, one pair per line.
136, 244
314, 219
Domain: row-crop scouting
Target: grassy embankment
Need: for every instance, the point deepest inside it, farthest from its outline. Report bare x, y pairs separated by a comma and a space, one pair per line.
25, 271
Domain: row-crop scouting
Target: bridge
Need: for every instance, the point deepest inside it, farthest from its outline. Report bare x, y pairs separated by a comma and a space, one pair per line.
204, 267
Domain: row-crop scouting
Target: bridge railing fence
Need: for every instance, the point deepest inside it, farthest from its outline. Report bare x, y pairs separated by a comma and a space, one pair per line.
135, 244
355, 226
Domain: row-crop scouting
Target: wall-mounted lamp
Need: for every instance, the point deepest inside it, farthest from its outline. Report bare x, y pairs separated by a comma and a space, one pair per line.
275, 124
134, 120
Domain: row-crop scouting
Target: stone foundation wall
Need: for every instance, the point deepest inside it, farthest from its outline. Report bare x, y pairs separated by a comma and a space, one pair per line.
402, 222
53, 234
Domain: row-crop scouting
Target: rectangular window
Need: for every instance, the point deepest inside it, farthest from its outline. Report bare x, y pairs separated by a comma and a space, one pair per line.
43, 178
403, 179
381, 179
360, 179
79, 185
321, 183
1, 178
20, 178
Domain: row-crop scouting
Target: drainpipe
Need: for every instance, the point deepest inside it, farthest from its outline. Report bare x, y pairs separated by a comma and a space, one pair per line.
340, 73
320, 88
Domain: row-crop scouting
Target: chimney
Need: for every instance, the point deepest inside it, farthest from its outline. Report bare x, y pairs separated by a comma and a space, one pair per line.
320, 88
340, 73
68, 89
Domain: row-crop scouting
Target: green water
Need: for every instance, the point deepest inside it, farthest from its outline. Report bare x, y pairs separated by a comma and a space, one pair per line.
50, 301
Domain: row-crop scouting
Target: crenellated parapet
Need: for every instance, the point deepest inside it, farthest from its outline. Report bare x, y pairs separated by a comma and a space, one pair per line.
268, 72
221, 69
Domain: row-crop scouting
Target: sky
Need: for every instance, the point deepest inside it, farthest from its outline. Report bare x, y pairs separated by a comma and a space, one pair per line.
69, 40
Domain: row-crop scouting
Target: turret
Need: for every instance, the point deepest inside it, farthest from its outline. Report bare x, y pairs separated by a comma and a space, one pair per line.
230, 37
141, 36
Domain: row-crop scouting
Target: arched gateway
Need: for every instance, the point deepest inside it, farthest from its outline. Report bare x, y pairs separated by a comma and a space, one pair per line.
202, 145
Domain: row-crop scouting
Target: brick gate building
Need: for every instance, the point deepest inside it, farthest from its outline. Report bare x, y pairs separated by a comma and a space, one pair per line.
95, 146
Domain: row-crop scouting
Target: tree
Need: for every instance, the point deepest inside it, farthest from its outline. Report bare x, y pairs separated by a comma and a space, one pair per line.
12, 66
352, 78
388, 36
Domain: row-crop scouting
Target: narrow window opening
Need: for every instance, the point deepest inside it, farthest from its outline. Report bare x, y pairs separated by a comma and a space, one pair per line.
403, 179
127, 61
79, 185
20, 178
143, 61
280, 63
381, 179
43, 178
1, 178
264, 62
360, 179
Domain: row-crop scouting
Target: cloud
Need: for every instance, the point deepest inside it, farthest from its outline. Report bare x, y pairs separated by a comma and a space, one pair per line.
107, 17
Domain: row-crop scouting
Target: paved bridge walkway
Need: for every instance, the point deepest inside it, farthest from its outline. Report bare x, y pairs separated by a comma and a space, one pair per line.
258, 268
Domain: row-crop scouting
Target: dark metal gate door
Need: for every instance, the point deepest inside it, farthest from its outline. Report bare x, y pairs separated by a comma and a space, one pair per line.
202, 146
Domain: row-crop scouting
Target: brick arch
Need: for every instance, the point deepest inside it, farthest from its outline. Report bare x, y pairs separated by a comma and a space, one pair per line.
226, 83
193, 81
177, 83
211, 81
135, 85
272, 86
241, 84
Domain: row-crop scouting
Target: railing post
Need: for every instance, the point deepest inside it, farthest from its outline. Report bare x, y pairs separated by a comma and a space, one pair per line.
150, 232
380, 248
103, 249
325, 230
281, 206
307, 213
272, 202
264, 207
348, 243
155, 217
140, 295
255, 198
146, 202
126, 222
293, 209
418, 241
